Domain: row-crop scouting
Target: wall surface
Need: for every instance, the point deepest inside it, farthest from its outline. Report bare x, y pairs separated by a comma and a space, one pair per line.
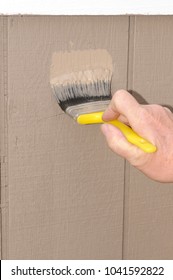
148, 204
64, 195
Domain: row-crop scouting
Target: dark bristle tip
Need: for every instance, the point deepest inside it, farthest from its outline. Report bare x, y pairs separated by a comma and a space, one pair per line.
78, 93
81, 100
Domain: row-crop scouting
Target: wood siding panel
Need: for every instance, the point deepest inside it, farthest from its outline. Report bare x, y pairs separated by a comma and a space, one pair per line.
1, 124
148, 223
3, 137
62, 190
65, 186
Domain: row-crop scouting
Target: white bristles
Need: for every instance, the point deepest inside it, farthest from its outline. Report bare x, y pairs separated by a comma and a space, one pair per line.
99, 86
80, 77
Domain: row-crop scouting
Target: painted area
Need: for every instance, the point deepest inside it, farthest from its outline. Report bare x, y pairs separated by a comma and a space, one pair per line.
85, 65
86, 7
81, 76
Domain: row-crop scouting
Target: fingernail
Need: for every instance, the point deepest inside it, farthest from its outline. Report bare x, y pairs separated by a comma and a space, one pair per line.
105, 115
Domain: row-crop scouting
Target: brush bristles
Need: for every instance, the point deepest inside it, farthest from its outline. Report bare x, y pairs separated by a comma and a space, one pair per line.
79, 77
74, 94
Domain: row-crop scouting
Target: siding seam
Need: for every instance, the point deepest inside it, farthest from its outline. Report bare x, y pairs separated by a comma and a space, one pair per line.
129, 87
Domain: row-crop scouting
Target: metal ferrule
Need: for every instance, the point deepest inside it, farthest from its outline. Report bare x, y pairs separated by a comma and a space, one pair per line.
86, 108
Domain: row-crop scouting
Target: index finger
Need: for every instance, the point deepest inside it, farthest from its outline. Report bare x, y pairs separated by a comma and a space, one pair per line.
122, 103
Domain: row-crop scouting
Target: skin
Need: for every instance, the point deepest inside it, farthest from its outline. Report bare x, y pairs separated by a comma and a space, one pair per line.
154, 123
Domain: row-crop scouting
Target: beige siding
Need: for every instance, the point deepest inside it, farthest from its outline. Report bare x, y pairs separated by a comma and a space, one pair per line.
4, 196
65, 186
64, 195
149, 205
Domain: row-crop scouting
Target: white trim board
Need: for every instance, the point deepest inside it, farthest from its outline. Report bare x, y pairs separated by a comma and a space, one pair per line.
86, 7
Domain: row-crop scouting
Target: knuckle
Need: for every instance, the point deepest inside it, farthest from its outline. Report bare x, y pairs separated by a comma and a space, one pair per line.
135, 159
138, 158
120, 94
114, 98
158, 108
142, 113
154, 113
119, 97
119, 145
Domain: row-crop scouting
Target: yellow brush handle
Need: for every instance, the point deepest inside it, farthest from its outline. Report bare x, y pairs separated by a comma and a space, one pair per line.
131, 136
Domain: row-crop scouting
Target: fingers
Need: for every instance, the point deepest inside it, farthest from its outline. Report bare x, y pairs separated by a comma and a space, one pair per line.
169, 112
167, 109
123, 119
118, 144
122, 103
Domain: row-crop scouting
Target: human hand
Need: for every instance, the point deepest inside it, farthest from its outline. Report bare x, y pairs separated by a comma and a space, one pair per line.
152, 122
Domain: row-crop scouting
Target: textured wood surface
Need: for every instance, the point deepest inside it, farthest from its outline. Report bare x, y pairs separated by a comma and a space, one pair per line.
148, 222
4, 226
1, 121
65, 186
62, 190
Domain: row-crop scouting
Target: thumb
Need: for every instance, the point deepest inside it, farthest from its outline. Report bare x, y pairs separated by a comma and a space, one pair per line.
119, 144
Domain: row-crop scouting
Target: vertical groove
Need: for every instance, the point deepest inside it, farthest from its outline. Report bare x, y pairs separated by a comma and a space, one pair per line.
1, 42
129, 87
4, 141
1, 123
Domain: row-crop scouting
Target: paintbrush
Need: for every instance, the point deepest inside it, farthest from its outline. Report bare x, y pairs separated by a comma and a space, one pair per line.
81, 83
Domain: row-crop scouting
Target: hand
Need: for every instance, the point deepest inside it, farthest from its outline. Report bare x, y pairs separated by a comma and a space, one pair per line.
152, 122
